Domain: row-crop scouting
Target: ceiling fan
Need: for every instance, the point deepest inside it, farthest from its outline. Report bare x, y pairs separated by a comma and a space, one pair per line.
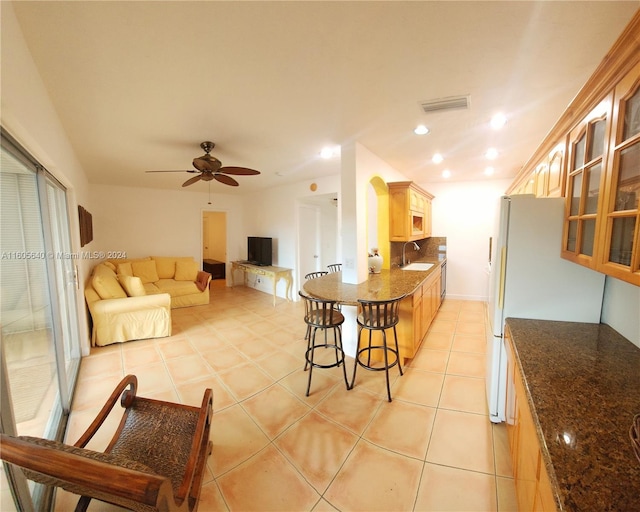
210, 168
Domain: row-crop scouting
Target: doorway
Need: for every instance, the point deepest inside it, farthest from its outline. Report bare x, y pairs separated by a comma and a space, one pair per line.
214, 243
318, 240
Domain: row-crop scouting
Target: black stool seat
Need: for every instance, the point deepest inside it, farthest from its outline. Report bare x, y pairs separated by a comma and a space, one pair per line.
378, 315
322, 314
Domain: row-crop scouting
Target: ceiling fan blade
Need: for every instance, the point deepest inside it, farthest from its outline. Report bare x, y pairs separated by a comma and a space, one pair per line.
238, 171
183, 170
227, 180
191, 181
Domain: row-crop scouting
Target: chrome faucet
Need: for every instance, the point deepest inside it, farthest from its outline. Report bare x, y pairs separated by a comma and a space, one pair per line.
415, 246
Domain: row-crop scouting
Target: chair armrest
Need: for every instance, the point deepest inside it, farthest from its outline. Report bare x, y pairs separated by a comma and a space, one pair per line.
95, 477
199, 445
128, 395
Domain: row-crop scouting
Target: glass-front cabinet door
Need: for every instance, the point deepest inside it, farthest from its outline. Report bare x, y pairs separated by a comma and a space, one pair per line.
587, 157
621, 240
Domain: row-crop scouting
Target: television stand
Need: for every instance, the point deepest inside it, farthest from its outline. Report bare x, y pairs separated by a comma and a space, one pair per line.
273, 273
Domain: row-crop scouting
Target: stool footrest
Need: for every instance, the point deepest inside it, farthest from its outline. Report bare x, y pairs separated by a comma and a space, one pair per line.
377, 368
340, 358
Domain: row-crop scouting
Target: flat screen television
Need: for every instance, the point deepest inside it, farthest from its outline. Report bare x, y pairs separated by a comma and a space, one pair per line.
259, 250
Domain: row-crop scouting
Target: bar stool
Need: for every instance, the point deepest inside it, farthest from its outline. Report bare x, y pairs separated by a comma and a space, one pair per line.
313, 275
321, 314
378, 315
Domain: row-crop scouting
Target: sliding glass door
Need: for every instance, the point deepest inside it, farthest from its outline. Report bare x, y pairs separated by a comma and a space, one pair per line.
38, 317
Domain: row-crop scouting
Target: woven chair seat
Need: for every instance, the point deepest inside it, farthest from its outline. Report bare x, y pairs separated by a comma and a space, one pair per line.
155, 460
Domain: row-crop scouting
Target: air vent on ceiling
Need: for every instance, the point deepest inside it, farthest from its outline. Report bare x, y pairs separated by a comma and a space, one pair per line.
442, 104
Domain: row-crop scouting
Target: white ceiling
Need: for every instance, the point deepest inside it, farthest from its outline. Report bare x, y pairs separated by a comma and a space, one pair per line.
138, 85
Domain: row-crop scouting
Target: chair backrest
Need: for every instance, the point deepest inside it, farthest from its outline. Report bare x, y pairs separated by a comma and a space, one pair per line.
321, 313
379, 314
313, 275
335, 267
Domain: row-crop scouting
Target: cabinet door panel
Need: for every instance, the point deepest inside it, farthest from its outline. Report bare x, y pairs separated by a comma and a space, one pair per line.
620, 234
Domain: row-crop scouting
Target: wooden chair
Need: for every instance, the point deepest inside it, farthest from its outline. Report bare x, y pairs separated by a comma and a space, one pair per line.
334, 267
154, 462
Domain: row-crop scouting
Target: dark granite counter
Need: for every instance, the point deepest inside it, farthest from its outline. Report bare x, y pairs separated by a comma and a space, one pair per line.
388, 284
583, 386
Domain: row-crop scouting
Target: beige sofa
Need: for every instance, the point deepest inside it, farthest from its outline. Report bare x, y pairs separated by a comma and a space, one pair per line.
132, 299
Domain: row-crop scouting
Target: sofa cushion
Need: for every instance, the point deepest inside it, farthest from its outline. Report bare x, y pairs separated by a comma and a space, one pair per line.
103, 270
107, 287
151, 289
110, 265
132, 285
186, 270
125, 269
166, 267
145, 270
177, 288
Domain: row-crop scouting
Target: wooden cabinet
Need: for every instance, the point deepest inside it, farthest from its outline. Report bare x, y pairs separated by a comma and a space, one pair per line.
417, 312
619, 231
533, 487
585, 179
548, 177
603, 188
409, 212
597, 165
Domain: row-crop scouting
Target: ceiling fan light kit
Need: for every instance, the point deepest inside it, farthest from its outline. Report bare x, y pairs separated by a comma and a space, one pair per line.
211, 168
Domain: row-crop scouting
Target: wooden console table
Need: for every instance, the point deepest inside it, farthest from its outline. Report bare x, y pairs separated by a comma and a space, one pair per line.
273, 273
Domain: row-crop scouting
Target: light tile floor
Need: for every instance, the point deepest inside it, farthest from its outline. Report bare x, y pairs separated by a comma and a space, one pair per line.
433, 448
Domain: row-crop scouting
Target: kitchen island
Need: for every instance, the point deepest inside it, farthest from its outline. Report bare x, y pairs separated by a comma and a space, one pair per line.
582, 387
421, 291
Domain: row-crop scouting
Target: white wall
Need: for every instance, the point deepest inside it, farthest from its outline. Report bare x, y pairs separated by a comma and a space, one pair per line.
359, 166
621, 308
273, 212
465, 212
145, 222
29, 116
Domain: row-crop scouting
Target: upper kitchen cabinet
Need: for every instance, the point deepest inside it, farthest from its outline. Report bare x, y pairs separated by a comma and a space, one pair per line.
620, 223
591, 156
547, 178
586, 178
409, 212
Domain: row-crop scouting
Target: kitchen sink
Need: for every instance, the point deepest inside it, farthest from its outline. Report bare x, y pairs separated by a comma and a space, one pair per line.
418, 266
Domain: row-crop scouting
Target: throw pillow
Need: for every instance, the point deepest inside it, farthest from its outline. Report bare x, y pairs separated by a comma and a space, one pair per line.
145, 270
107, 287
132, 285
186, 270
125, 269
110, 265
165, 266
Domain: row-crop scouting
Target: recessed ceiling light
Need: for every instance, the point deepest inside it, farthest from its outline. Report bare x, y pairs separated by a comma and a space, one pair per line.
498, 121
489, 171
421, 130
446, 173
437, 158
329, 152
491, 154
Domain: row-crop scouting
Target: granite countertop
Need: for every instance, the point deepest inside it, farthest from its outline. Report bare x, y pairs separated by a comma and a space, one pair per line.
583, 386
387, 285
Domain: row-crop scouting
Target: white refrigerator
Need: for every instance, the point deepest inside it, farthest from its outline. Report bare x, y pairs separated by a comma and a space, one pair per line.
529, 279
